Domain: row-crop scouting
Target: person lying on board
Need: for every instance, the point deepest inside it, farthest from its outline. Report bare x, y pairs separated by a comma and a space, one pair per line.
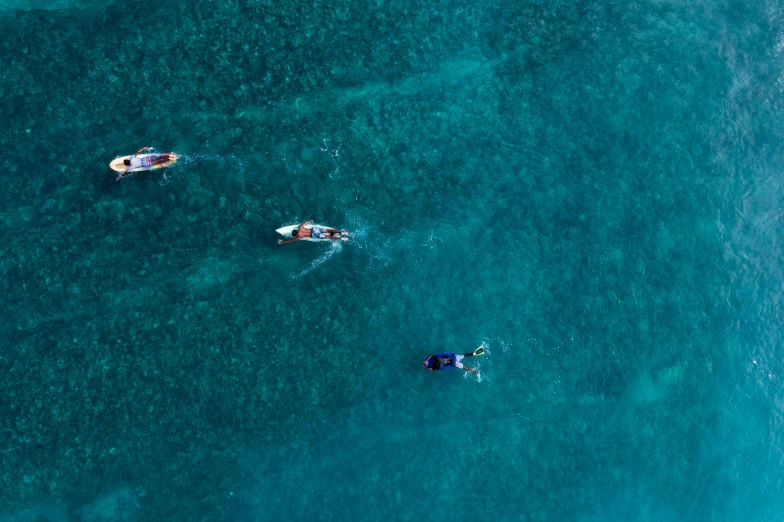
146, 162
315, 232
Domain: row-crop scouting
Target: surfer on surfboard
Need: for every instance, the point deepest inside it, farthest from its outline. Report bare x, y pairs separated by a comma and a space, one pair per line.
145, 162
315, 232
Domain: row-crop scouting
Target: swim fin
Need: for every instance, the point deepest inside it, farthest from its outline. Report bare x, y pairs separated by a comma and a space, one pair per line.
479, 351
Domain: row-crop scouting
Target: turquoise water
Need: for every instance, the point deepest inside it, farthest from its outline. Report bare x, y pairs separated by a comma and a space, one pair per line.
592, 190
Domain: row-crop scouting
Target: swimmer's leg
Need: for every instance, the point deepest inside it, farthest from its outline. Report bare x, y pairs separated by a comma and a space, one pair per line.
334, 234
478, 351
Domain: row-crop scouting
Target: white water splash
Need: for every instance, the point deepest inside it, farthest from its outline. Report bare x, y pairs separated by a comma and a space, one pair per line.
186, 162
333, 151
334, 248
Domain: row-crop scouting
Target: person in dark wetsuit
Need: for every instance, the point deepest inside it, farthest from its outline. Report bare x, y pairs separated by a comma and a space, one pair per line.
442, 361
145, 163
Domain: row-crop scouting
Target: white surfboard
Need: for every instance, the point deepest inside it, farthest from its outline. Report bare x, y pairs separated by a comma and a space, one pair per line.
286, 231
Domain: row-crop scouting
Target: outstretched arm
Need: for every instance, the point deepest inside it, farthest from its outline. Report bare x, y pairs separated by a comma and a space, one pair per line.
281, 242
142, 150
123, 174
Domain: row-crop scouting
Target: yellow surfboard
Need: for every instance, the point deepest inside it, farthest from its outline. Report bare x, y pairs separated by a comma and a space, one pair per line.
117, 164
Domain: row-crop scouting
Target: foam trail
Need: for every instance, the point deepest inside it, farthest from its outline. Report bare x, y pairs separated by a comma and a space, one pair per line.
476, 363
486, 361
333, 150
359, 230
378, 250
334, 248
223, 159
185, 162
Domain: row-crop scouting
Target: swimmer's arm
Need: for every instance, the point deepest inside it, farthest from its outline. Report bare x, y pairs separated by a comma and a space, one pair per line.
281, 242
123, 174
142, 150
129, 170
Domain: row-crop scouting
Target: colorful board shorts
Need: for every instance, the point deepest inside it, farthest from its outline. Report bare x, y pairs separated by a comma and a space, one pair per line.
318, 232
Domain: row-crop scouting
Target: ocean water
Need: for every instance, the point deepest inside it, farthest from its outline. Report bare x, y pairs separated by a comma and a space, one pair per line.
592, 190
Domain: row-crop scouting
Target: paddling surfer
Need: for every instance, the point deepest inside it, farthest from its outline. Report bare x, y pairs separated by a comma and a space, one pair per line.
315, 232
146, 162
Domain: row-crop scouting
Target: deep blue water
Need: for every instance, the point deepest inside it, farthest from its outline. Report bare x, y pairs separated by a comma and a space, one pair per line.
592, 190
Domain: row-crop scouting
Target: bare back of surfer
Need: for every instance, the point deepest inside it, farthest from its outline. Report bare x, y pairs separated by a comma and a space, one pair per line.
315, 232
143, 163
